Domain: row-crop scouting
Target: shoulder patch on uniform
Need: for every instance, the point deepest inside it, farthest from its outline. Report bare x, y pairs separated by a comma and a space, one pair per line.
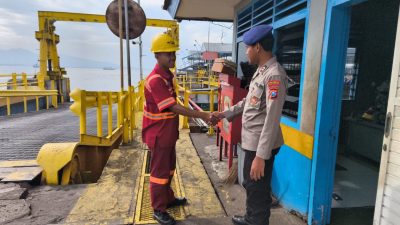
273, 94
274, 84
273, 88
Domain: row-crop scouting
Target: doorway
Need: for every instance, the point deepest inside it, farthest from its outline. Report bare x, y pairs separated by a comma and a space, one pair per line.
366, 80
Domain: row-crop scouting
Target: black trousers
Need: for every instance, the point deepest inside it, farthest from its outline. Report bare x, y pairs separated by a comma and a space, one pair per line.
258, 200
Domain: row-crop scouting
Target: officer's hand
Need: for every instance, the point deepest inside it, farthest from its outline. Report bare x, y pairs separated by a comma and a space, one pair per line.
257, 169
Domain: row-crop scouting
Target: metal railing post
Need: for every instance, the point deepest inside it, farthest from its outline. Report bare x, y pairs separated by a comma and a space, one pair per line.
99, 115
82, 124
119, 110
14, 81
186, 104
25, 105
8, 106
24, 81
110, 118
37, 103
141, 95
211, 129
125, 117
212, 100
54, 99
56, 102
133, 109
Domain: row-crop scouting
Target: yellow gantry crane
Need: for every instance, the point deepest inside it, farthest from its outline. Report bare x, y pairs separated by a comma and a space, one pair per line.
83, 161
49, 60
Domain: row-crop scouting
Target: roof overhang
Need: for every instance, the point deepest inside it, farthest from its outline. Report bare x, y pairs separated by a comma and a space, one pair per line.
204, 10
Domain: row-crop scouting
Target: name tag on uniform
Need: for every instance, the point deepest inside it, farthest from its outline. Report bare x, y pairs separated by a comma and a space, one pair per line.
254, 100
256, 94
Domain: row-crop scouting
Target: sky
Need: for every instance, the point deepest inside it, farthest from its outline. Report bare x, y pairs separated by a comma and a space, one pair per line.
18, 23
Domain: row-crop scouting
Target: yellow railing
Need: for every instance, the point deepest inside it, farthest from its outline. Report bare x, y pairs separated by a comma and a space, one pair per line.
186, 95
139, 96
8, 95
128, 103
189, 80
15, 83
24, 86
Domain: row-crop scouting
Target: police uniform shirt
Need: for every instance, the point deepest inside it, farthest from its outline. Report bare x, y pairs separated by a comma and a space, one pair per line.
262, 110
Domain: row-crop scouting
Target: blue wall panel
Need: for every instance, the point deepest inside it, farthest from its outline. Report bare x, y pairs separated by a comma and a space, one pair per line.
328, 112
291, 179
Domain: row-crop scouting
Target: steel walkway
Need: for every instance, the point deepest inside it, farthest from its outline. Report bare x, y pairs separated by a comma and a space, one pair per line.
123, 187
22, 135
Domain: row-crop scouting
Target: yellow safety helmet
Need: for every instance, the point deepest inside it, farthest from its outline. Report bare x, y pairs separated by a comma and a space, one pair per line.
163, 43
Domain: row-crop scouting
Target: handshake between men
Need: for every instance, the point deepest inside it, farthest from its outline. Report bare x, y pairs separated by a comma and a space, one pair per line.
214, 118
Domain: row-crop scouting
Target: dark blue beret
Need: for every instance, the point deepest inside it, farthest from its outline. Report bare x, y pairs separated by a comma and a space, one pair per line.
255, 34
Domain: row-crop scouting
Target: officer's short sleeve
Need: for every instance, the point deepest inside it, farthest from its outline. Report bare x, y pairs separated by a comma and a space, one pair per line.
162, 94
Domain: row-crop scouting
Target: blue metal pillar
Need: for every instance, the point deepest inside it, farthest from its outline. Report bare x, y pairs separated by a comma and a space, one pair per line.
328, 112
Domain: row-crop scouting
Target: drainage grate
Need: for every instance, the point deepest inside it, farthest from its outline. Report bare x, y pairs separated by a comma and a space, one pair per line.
144, 211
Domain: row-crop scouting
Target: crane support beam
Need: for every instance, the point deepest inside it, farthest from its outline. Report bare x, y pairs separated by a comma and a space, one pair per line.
49, 59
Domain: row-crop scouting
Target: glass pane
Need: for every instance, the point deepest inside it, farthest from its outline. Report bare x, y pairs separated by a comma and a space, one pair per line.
289, 52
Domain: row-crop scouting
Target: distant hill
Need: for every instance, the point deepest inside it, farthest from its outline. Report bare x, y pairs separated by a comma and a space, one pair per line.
22, 57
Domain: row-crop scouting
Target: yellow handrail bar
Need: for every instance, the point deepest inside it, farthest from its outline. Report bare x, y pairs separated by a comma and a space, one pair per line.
8, 94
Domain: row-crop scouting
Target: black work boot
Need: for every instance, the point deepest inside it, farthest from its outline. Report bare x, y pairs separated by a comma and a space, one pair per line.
177, 202
239, 220
163, 218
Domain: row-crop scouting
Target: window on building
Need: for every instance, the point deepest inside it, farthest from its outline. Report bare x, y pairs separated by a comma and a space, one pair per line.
289, 41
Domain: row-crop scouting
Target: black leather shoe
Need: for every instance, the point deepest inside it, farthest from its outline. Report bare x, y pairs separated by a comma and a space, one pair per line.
163, 218
239, 220
177, 202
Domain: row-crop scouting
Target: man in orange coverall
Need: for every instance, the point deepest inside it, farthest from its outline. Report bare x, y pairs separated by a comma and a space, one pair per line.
160, 127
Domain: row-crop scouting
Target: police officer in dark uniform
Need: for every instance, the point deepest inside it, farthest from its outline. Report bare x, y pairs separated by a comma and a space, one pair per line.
261, 111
